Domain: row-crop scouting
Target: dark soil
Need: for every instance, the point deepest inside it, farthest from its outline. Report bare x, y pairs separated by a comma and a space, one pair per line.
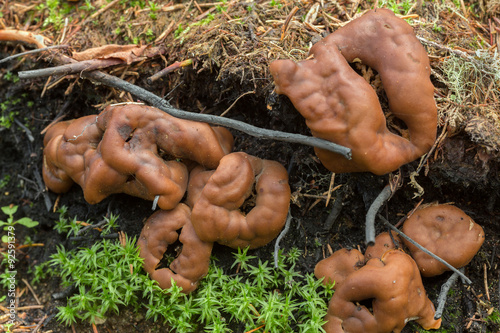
460, 171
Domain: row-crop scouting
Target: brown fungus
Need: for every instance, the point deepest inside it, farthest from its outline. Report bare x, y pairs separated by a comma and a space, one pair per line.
384, 242
159, 232
393, 288
217, 214
337, 267
446, 231
340, 106
133, 149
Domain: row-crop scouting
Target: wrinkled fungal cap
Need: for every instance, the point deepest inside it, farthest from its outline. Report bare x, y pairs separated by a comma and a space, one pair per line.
159, 232
217, 215
394, 286
54, 176
337, 267
340, 106
130, 149
136, 127
383, 243
446, 231
70, 148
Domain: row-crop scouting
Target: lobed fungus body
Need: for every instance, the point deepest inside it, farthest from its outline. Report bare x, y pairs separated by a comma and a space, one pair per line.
161, 231
131, 128
217, 215
133, 149
340, 106
71, 155
446, 231
337, 267
61, 160
393, 285
384, 242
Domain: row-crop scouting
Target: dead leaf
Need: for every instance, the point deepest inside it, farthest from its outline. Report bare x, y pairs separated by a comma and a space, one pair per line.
127, 53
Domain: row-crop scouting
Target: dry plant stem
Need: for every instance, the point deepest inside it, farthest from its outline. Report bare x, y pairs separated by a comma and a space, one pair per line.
14, 56
372, 212
163, 105
236, 101
444, 293
423, 249
32, 291
100, 11
284, 29
280, 237
168, 69
77, 67
486, 282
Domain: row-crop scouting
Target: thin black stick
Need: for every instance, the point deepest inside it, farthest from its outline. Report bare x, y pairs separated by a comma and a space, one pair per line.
14, 56
372, 212
444, 294
163, 105
423, 249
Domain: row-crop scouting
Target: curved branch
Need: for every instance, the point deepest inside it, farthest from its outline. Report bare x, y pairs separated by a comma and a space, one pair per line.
160, 103
372, 212
163, 105
17, 55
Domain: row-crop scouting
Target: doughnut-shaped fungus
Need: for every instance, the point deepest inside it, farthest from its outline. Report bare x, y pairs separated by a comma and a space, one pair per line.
217, 215
340, 106
159, 232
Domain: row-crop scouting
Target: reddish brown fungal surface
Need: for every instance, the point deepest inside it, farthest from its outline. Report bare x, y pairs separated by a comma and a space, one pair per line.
59, 155
383, 243
216, 212
337, 267
446, 231
340, 106
394, 286
130, 149
161, 231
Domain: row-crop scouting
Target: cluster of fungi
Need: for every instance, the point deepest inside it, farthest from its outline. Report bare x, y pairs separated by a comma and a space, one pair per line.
381, 290
144, 152
200, 185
